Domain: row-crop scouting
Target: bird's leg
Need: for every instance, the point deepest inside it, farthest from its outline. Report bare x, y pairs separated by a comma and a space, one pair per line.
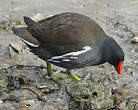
73, 75
53, 74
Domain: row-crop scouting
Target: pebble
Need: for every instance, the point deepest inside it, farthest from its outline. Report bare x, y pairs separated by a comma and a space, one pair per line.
114, 21
4, 108
1, 101
116, 81
135, 61
132, 51
134, 40
17, 47
132, 73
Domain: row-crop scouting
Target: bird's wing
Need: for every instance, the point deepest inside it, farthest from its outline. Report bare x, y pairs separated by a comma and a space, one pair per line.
66, 36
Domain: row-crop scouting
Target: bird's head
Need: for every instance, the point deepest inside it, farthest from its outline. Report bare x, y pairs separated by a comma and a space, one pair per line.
118, 68
114, 55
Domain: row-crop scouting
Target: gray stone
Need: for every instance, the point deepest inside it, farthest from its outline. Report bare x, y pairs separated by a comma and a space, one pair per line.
134, 40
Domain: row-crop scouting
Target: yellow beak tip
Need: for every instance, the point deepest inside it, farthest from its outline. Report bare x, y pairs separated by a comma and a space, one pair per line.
119, 75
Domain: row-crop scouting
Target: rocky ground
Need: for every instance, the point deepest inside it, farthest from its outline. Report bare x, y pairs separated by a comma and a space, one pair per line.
24, 83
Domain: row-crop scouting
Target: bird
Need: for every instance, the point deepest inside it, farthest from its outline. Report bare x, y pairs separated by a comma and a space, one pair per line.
71, 41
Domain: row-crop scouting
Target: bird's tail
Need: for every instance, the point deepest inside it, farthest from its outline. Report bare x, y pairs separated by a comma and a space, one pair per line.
25, 36
36, 29
30, 23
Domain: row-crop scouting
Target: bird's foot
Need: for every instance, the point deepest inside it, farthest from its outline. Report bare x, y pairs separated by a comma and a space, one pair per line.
76, 78
55, 76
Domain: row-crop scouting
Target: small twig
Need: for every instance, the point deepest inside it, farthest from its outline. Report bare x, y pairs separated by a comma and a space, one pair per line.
87, 76
18, 66
34, 90
4, 87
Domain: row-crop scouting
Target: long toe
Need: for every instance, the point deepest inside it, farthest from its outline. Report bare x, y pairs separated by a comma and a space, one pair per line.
52, 74
76, 78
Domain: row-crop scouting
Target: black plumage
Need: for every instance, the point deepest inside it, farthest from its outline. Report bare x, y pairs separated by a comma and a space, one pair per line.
71, 41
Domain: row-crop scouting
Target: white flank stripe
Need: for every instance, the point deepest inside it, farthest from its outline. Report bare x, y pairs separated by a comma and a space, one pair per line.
85, 49
57, 57
33, 45
73, 57
51, 60
65, 60
72, 54
55, 61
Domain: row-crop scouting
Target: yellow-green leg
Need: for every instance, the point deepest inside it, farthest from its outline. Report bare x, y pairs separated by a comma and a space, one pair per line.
73, 75
53, 74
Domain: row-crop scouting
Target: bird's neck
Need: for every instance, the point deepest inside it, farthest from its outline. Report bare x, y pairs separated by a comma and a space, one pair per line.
109, 48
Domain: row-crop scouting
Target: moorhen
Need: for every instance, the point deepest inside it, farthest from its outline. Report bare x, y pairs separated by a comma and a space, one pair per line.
71, 41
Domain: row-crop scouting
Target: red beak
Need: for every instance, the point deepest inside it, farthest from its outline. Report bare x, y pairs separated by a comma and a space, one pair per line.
118, 69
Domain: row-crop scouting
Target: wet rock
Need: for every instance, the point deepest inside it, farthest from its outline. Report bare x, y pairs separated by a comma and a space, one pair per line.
3, 79
27, 91
15, 48
11, 98
134, 40
58, 100
132, 73
122, 30
125, 91
25, 107
91, 95
128, 105
4, 108
136, 107
12, 82
3, 83
7, 23
136, 49
114, 21
128, 100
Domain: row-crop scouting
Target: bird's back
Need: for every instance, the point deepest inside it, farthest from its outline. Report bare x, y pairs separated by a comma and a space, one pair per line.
65, 32
72, 28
